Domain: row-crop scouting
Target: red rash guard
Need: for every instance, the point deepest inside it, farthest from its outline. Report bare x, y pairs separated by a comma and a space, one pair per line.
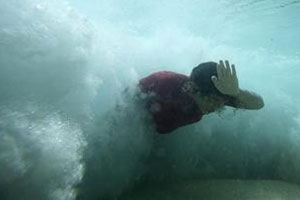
168, 104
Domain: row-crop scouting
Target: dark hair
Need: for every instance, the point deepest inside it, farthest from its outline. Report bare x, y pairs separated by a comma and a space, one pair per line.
201, 75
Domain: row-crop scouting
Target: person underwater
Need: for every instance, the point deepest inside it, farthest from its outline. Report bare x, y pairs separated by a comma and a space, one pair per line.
175, 100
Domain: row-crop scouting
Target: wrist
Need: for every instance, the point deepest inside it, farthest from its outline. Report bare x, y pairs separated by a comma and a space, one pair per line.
237, 93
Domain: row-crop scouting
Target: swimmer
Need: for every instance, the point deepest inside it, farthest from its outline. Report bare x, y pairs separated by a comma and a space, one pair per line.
175, 100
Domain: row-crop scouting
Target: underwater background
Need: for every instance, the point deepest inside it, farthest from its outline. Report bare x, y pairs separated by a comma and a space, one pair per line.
68, 130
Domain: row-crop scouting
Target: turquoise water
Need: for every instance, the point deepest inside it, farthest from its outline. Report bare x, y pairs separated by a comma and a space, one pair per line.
64, 65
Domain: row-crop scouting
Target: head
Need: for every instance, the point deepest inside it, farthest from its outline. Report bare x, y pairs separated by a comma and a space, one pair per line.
204, 91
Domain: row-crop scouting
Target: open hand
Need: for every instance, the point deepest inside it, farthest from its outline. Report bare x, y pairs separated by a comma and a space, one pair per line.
227, 81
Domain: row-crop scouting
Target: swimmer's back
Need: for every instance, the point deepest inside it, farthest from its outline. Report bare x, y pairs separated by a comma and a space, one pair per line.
168, 104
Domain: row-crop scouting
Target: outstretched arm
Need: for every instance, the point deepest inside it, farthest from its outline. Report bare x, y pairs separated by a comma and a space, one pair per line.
227, 83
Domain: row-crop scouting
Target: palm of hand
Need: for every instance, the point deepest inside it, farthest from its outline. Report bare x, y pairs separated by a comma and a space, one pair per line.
227, 81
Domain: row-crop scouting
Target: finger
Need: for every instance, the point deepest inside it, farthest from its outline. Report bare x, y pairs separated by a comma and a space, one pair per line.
219, 71
228, 71
223, 70
233, 70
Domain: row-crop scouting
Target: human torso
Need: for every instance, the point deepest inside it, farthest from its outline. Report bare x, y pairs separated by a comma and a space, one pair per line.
168, 104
